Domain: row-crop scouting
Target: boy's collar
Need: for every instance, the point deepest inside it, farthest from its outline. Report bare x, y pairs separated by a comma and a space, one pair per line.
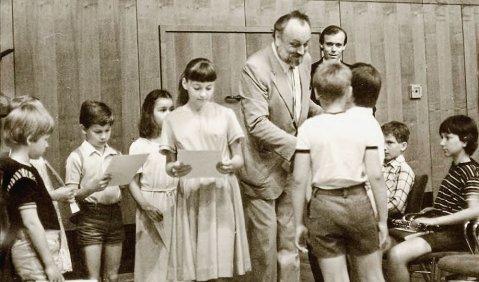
89, 149
397, 161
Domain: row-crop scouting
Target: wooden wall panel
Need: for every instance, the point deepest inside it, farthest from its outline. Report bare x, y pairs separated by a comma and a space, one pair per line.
396, 47
153, 13
7, 81
470, 23
445, 76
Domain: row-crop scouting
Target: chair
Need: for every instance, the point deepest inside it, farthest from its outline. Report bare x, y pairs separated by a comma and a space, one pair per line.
429, 263
464, 265
416, 195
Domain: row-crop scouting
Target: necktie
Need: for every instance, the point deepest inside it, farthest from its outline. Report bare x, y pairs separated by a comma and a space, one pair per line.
294, 92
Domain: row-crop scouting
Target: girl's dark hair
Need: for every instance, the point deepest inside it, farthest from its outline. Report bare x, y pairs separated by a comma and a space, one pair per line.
464, 127
199, 69
147, 126
95, 112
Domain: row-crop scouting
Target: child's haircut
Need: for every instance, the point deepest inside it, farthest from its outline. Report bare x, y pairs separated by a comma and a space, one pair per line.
95, 112
464, 127
148, 127
27, 121
331, 80
332, 30
399, 130
199, 69
366, 83
24, 99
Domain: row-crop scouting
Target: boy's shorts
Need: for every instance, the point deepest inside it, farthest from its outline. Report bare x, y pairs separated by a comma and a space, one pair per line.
100, 224
341, 221
450, 239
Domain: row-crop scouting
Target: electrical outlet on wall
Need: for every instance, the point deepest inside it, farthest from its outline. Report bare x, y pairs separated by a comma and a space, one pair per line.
415, 91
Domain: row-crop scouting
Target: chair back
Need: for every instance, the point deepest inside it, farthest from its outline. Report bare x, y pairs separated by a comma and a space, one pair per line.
416, 196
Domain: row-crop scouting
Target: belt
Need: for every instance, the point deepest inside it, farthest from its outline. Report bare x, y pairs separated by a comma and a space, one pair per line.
96, 205
343, 192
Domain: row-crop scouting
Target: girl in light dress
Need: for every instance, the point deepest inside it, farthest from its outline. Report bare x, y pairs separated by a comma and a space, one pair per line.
154, 192
210, 237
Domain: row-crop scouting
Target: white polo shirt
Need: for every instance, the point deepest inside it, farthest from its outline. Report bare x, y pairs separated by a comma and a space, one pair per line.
337, 144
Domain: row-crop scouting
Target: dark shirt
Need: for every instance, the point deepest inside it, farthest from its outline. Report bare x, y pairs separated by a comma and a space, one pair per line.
314, 66
23, 185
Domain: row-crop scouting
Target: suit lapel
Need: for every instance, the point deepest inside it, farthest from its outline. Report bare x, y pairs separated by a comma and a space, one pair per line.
280, 81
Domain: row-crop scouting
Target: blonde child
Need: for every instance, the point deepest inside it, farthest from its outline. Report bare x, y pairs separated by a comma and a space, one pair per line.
58, 194
100, 231
35, 252
210, 240
338, 150
154, 192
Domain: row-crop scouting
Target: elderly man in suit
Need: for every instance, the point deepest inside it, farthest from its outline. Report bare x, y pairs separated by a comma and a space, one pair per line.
275, 101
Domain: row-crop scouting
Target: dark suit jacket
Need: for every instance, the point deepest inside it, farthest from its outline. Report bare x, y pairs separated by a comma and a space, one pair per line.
313, 69
271, 129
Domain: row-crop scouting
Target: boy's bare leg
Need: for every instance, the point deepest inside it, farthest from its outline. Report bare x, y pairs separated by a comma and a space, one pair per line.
92, 260
334, 269
400, 255
368, 267
111, 263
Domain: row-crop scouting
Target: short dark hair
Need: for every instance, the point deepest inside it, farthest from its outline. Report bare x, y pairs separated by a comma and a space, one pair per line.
282, 21
331, 79
366, 83
147, 126
95, 112
331, 30
198, 69
464, 127
399, 130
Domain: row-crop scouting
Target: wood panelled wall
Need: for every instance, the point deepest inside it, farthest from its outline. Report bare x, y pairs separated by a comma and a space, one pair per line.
69, 51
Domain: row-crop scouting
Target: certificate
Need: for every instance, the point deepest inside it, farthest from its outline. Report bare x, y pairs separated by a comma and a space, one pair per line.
122, 168
203, 163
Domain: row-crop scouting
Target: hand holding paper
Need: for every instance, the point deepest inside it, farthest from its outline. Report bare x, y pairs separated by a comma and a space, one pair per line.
179, 169
202, 163
122, 168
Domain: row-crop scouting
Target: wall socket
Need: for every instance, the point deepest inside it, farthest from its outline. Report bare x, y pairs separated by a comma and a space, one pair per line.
415, 91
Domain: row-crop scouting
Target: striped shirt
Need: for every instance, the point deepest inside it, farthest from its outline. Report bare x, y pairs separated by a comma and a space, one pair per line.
461, 182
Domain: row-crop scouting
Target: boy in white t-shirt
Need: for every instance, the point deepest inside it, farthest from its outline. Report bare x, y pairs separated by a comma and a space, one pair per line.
337, 151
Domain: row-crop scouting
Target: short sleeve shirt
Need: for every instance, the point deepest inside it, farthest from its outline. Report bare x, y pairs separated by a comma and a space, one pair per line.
82, 169
24, 187
337, 144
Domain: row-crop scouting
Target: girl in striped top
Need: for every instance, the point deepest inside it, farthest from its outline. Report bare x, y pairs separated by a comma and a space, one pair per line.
457, 200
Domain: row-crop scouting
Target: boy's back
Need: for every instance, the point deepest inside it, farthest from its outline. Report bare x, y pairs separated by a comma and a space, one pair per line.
337, 143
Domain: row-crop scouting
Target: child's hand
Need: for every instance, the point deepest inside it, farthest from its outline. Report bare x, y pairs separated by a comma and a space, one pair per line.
99, 184
225, 167
422, 220
179, 169
54, 274
152, 212
301, 232
65, 194
384, 240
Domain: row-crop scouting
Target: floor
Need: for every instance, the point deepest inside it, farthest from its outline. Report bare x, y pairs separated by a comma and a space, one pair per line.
306, 275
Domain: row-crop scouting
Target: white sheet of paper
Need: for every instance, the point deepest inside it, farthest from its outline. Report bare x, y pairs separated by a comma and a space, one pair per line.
122, 168
203, 163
